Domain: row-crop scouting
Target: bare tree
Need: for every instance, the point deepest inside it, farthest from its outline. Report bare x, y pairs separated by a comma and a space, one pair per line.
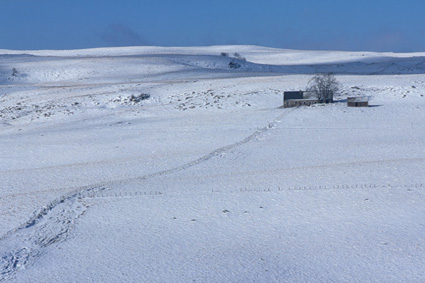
324, 87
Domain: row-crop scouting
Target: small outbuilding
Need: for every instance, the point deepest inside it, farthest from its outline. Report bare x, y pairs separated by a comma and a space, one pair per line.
296, 98
358, 101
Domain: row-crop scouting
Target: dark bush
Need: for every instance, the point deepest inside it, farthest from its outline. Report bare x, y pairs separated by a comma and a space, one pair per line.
234, 65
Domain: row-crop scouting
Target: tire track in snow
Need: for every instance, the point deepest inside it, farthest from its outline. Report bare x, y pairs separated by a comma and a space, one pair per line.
53, 223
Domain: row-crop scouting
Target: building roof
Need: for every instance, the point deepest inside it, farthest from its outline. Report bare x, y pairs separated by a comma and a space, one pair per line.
293, 95
358, 99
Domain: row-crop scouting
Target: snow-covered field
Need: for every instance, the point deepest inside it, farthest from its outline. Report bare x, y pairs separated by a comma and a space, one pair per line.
150, 164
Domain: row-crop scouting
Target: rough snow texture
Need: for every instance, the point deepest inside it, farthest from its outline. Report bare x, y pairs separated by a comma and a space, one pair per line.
151, 164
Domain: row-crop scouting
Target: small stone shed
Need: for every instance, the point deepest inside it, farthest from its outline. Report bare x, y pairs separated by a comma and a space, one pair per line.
296, 98
358, 101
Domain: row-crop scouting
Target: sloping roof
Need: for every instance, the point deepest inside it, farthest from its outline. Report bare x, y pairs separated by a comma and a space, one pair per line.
293, 95
358, 99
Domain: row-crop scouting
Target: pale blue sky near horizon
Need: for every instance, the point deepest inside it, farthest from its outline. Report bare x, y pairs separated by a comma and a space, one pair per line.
361, 25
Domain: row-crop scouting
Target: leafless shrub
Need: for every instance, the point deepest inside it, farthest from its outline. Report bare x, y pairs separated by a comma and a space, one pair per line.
324, 87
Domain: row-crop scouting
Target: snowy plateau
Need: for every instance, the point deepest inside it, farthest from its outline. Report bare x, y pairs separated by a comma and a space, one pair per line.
154, 164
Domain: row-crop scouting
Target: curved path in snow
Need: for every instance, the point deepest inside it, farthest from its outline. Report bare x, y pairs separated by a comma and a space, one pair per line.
52, 223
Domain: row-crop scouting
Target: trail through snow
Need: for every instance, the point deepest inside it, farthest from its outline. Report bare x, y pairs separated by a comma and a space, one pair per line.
52, 224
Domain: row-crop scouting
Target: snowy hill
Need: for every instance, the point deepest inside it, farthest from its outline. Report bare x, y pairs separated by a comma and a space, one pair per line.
107, 64
154, 164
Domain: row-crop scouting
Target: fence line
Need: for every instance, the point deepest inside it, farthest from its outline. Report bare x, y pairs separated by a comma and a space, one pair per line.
111, 194
108, 193
322, 187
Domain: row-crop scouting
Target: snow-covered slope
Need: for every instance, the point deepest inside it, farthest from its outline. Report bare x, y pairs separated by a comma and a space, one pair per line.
145, 63
152, 164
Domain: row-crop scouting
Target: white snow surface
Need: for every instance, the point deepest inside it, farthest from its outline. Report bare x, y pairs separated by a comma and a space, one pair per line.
154, 164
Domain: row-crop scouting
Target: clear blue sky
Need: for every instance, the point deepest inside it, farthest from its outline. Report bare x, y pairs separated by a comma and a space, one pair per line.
376, 25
